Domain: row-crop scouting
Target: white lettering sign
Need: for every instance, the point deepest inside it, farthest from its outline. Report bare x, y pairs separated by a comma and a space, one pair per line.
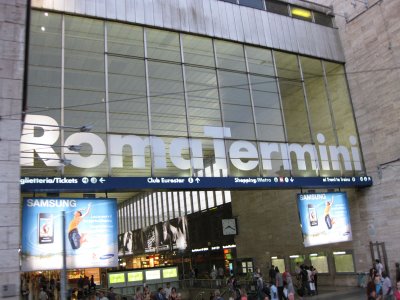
244, 155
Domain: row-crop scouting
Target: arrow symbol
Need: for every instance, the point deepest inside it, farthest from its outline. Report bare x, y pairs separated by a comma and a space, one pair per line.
291, 179
197, 180
102, 180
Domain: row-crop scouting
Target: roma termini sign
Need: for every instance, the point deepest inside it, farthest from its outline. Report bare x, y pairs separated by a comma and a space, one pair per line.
244, 155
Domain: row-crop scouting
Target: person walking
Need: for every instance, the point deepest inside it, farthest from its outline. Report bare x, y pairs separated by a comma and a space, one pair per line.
387, 290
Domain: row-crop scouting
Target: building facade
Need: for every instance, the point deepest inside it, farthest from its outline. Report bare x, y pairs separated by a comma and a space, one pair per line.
184, 89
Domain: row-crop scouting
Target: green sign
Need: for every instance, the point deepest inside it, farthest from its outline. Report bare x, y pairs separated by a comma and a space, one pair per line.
135, 276
114, 278
170, 273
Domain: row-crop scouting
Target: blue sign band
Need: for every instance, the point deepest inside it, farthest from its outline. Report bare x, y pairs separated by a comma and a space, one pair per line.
112, 184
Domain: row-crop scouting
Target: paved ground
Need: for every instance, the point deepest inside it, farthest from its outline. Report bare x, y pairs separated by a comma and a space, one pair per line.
332, 293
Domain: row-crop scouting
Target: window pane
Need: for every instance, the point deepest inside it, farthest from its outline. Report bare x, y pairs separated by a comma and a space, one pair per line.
280, 263
182, 203
293, 101
322, 19
84, 93
344, 263
252, 3
230, 55
204, 107
277, 7
227, 195
210, 199
198, 50
319, 262
167, 105
188, 199
260, 61
318, 105
195, 201
219, 198
343, 115
295, 262
125, 39
162, 44
203, 200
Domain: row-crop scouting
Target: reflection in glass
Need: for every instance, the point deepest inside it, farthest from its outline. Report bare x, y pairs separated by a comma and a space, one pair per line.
198, 50
294, 108
203, 102
84, 79
343, 115
230, 55
167, 105
236, 104
125, 39
318, 106
127, 95
163, 45
260, 60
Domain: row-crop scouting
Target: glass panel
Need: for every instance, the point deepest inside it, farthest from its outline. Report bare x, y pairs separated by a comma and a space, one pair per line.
164, 201
44, 87
301, 13
280, 263
84, 93
277, 7
294, 107
227, 195
163, 45
203, 101
252, 3
319, 262
235, 96
170, 206
167, 105
160, 207
219, 198
182, 211
260, 61
198, 50
318, 105
188, 197
195, 201
267, 108
231, 1
344, 263
344, 121
295, 262
203, 200
210, 199
230, 55
322, 19
127, 95
125, 39
175, 197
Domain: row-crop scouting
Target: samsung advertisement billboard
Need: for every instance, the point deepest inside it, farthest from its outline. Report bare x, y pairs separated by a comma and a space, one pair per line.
325, 218
90, 233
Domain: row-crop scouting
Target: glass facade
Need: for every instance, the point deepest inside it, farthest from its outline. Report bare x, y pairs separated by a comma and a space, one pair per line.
164, 103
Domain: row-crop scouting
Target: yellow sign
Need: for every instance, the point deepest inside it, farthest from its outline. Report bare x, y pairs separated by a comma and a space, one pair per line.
135, 276
116, 278
170, 273
301, 13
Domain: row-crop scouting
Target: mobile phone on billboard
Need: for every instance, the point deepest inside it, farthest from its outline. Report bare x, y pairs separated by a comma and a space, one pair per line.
46, 228
312, 215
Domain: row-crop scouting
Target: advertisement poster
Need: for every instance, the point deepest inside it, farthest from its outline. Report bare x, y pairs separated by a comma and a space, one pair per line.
325, 218
168, 235
90, 233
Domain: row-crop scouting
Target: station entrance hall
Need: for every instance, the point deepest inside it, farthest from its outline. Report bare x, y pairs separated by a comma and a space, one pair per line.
186, 153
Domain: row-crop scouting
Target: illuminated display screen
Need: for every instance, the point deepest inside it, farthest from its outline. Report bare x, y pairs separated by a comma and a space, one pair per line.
325, 218
135, 276
153, 274
115, 278
170, 273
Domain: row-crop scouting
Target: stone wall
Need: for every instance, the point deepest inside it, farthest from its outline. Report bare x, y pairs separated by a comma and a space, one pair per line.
12, 56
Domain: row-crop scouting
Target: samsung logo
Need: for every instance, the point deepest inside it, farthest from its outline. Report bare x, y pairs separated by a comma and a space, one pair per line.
313, 197
50, 203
